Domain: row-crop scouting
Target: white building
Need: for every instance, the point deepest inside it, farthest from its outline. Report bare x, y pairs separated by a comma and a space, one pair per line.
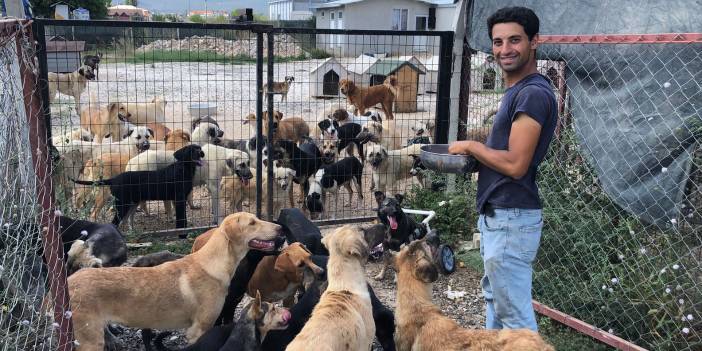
290, 10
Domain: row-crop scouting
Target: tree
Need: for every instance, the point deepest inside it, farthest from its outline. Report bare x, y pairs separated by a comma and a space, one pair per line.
157, 17
97, 8
196, 19
220, 19
134, 3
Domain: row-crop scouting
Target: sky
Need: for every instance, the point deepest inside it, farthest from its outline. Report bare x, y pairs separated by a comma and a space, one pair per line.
181, 6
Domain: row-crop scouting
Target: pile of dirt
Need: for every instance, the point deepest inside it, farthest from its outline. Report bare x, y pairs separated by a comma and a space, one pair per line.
285, 46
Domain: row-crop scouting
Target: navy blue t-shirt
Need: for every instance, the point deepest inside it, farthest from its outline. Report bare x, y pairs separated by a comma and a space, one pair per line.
534, 96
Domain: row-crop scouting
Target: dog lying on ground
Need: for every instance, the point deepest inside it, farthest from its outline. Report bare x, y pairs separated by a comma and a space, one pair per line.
144, 112
144, 297
329, 179
279, 88
72, 84
279, 278
422, 326
90, 240
172, 183
365, 98
402, 229
389, 167
104, 122
343, 319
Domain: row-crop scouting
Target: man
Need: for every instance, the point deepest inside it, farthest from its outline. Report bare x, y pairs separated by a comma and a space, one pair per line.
510, 219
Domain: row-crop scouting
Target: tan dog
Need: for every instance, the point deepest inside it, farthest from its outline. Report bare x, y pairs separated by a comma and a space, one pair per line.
384, 132
74, 134
343, 318
235, 189
160, 130
278, 278
365, 98
105, 166
388, 167
104, 121
145, 112
72, 84
420, 325
177, 139
290, 128
280, 88
185, 293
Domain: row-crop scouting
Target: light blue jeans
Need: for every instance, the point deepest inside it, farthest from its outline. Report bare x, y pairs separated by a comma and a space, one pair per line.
509, 241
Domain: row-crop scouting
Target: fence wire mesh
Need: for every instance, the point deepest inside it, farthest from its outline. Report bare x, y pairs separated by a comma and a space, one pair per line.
621, 246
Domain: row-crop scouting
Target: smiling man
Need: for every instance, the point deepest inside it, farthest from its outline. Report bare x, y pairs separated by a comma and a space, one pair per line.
508, 200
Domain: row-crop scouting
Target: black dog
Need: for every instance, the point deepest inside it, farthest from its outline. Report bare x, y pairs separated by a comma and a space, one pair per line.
93, 61
330, 178
103, 241
305, 160
346, 135
173, 183
298, 228
402, 228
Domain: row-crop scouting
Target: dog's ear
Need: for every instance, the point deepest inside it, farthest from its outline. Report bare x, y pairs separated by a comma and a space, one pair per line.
113, 108
430, 124
151, 132
230, 163
81, 71
186, 136
426, 271
283, 260
379, 197
256, 307
291, 172
277, 115
356, 247
399, 198
249, 118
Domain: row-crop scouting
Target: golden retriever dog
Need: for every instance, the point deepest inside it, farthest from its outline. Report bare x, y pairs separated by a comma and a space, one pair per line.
343, 318
290, 128
388, 167
279, 277
72, 84
104, 122
365, 98
177, 139
185, 293
420, 325
145, 112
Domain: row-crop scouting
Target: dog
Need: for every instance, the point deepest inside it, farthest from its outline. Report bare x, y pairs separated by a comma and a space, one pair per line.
74, 134
93, 61
172, 183
237, 189
289, 128
279, 278
402, 229
389, 167
159, 129
141, 113
176, 139
422, 175
156, 258
104, 166
280, 88
104, 122
136, 140
342, 116
202, 119
151, 160
207, 133
423, 133
72, 84
365, 98
298, 228
382, 132
220, 162
143, 297
85, 242
329, 179
305, 160
422, 326
329, 151
70, 164
343, 318
346, 135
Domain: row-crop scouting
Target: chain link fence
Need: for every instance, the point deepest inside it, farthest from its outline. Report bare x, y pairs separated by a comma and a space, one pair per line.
621, 187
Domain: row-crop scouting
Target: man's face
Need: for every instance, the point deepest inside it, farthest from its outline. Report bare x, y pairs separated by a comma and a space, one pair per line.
511, 46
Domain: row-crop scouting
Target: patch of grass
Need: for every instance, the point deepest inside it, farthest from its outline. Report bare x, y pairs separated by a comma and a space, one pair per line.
319, 54
566, 339
471, 259
197, 56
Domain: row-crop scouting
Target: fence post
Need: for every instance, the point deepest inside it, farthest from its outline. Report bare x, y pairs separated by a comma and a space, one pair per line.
259, 121
443, 96
39, 116
269, 175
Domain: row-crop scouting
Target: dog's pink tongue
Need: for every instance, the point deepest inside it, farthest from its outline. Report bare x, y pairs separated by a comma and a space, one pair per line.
286, 316
245, 182
393, 222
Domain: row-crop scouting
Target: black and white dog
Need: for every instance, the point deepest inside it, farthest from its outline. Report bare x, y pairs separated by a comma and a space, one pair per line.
402, 228
328, 180
86, 243
305, 160
345, 134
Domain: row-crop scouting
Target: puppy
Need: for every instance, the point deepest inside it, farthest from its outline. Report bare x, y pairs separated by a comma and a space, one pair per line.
91, 241
343, 319
422, 326
402, 229
142, 113
279, 278
364, 98
207, 133
176, 139
172, 183
72, 84
279, 88
389, 167
144, 297
329, 179
423, 133
75, 134
104, 122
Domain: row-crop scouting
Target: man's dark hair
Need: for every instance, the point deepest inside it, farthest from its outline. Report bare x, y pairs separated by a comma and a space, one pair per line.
521, 15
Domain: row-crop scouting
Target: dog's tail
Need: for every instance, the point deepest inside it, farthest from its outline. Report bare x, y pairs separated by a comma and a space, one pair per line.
391, 83
100, 182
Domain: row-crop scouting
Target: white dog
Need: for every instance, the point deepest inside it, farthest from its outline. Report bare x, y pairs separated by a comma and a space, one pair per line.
206, 133
74, 134
388, 167
136, 141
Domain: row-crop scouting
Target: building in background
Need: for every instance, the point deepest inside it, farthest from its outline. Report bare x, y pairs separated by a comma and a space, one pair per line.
128, 13
81, 14
292, 10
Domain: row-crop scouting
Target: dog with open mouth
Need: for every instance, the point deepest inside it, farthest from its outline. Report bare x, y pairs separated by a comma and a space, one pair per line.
402, 229
144, 297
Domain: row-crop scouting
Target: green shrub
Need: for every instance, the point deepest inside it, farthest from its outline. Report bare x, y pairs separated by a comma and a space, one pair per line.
319, 54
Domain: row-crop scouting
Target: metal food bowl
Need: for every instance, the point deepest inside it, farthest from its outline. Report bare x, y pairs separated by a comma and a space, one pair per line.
437, 158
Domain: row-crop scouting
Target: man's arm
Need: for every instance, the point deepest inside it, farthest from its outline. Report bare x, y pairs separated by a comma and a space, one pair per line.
513, 162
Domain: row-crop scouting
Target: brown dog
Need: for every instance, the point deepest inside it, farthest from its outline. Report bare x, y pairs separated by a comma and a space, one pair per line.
72, 84
185, 293
290, 128
343, 318
364, 98
160, 130
176, 139
420, 324
278, 278
103, 122
106, 166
